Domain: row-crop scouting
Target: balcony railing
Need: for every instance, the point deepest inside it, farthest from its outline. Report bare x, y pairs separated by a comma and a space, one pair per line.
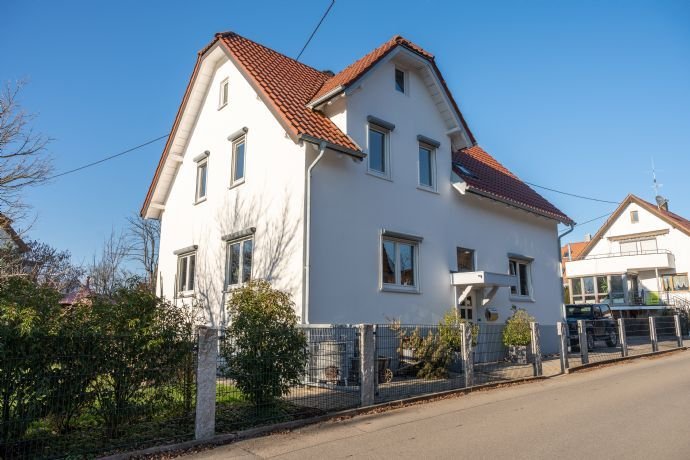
628, 253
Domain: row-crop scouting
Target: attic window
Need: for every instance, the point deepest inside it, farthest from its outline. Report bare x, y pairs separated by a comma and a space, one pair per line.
634, 217
464, 171
400, 80
223, 94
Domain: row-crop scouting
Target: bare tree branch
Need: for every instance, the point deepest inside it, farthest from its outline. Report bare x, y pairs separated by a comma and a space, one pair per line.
144, 235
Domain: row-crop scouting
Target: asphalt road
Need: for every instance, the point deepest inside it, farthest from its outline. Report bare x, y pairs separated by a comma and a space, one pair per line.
637, 409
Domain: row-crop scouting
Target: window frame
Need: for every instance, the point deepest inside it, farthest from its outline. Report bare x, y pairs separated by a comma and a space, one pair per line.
669, 280
201, 164
397, 286
517, 294
186, 256
387, 167
432, 167
406, 80
223, 93
634, 217
234, 181
473, 256
241, 274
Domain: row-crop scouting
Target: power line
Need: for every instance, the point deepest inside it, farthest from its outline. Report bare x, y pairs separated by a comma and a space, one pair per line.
315, 29
103, 160
592, 220
571, 194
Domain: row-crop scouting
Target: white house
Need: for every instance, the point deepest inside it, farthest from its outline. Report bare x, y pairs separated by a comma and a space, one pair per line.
638, 260
364, 194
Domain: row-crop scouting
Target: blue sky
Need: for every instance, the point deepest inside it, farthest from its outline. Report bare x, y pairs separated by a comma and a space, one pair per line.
578, 96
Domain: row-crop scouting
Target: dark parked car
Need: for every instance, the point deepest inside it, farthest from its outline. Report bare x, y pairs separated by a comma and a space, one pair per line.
599, 324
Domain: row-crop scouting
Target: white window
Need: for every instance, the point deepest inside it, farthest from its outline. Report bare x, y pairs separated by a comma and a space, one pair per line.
400, 81
238, 160
223, 93
427, 166
634, 217
379, 157
239, 262
186, 266
399, 263
521, 270
201, 180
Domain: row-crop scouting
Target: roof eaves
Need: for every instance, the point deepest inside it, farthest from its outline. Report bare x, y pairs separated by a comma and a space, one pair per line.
518, 204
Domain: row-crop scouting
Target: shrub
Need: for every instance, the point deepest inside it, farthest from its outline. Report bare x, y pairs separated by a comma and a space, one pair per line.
266, 353
449, 329
517, 330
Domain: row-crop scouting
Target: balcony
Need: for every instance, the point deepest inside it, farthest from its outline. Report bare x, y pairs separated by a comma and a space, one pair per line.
600, 264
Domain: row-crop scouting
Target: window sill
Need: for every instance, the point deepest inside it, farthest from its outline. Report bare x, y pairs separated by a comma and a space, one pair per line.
522, 298
236, 184
199, 201
428, 189
379, 176
400, 289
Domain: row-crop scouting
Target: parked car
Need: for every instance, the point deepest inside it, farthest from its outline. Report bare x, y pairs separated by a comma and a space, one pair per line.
599, 325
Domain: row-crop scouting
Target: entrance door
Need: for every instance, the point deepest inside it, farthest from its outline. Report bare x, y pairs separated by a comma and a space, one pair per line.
633, 289
466, 307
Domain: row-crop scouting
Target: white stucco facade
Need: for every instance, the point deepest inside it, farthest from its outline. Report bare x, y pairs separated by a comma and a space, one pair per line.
350, 210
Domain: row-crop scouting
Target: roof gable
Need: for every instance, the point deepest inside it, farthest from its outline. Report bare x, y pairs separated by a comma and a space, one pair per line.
486, 176
670, 218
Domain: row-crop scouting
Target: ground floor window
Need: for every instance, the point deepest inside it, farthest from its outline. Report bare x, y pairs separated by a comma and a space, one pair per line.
399, 263
239, 262
590, 289
186, 267
675, 282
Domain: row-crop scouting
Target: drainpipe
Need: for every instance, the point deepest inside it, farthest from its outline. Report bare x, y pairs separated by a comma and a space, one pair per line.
572, 227
307, 235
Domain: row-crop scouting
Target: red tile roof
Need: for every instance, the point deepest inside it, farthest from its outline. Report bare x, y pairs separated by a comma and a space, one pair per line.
575, 250
489, 177
288, 86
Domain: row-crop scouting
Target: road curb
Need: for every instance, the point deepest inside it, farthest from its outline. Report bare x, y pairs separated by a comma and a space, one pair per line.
576, 369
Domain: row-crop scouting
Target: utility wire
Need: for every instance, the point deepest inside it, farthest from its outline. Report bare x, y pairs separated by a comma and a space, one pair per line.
571, 194
315, 29
103, 160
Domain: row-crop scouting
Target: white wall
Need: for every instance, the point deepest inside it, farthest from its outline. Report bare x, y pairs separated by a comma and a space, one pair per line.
271, 199
350, 207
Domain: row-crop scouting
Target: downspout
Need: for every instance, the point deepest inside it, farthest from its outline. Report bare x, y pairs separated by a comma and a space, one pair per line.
307, 234
560, 258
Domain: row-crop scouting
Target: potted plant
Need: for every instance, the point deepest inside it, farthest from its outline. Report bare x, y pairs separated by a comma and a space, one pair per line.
517, 335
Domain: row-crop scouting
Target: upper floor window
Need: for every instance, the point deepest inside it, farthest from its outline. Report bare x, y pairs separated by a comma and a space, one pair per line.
223, 93
239, 261
521, 270
186, 267
379, 158
427, 166
400, 80
201, 179
465, 260
646, 246
399, 263
634, 217
238, 160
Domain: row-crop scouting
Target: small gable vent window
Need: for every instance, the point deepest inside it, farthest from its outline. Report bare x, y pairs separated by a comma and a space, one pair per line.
634, 217
400, 81
223, 93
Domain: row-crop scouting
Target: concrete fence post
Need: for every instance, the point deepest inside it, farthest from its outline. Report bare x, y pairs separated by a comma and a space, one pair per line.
563, 335
679, 331
582, 334
467, 356
207, 359
652, 334
536, 348
622, 336
367, 364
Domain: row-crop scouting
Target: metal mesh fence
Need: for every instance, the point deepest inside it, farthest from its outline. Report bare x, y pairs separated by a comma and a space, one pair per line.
495, 362
550, 345
637, 333
328, 381
82, 396
666, 332
416, 359
603, 342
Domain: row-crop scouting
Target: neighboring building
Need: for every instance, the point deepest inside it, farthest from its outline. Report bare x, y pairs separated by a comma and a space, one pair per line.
569, 252
9, 237
638, 261
363, 194
81, 294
